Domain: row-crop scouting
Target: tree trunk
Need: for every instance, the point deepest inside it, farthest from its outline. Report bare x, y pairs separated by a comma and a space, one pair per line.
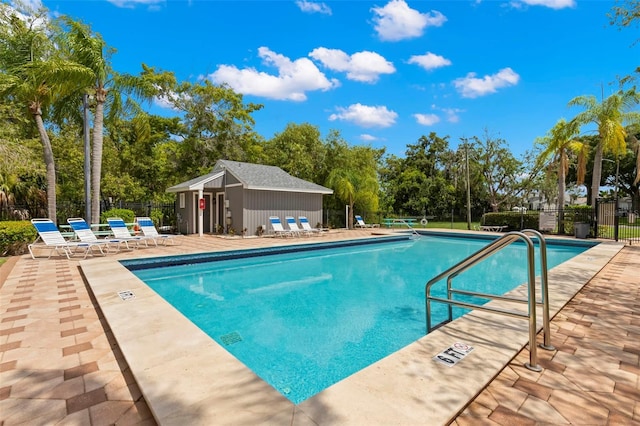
96, 155
561, 191
48, 160
597, 174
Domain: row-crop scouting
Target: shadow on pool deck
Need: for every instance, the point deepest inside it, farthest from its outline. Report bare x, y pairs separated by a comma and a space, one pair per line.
60, 362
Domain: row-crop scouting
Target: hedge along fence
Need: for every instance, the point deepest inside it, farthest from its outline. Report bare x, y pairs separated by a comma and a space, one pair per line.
514, 220
15, 236
531, 220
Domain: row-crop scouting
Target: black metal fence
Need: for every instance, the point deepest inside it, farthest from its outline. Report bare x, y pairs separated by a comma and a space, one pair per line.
603, 221
617, 224
162, 213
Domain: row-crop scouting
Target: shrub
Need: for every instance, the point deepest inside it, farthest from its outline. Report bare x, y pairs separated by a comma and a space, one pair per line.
514, 220
15, 236
157, 217
125, 214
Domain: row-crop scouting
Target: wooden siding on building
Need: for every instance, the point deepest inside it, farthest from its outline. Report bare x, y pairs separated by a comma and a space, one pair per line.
259, 205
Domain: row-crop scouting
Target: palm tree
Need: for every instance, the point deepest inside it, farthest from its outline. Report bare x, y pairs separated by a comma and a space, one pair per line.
106, 87
610, 116
89, 49
35, 78
354, 179
559, 143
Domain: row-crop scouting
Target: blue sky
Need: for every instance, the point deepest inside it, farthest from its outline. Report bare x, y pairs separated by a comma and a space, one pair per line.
383, 73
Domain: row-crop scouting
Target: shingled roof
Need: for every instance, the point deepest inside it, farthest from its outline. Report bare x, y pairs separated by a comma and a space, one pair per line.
252, 176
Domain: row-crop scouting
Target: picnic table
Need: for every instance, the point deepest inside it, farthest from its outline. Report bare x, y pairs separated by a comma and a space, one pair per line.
389, 222
99, 229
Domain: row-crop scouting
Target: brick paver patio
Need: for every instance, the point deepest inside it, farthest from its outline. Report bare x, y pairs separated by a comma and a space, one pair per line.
59, 363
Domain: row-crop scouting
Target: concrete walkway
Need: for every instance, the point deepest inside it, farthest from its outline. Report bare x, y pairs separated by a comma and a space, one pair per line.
59, 363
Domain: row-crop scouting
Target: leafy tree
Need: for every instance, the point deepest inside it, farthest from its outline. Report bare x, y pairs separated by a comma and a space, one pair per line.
34, 77
299, 150
146, 154
625, 14
417, 184
610, 116
117, 93
465, 154
89, 50
18, 156
353, 175
218, 125
503, 173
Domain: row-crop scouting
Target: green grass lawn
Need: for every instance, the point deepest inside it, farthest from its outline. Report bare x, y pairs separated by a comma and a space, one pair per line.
450, 225
2, 260
436, 224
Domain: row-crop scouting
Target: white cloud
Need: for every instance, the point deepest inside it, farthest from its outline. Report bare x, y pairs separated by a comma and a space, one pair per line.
27, 10
294, 78
472, 87
429, 61
553, 4
366, 116
451, 114
130, 4
313, 7
368, 137
397, 21
163, 101
361, 66
426, 119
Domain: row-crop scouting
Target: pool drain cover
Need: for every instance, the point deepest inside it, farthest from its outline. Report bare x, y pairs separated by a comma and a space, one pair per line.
231, 338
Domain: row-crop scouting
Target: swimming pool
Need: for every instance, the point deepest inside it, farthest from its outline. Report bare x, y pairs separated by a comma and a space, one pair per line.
304, 320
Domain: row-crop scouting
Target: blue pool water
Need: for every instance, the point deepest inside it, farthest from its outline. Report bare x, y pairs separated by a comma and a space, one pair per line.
305, 320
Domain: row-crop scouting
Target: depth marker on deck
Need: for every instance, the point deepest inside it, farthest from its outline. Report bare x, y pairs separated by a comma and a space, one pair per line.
453, 354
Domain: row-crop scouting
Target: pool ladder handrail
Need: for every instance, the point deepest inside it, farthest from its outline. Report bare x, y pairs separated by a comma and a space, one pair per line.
499, 244
414, 233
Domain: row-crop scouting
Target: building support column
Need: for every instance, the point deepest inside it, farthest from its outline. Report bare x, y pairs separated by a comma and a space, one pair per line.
200, 212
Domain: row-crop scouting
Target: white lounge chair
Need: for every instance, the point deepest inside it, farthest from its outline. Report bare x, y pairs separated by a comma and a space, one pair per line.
52, 239
294, 228
277, 227
149, 230
83, 231
121, 232
304, 222
361, 224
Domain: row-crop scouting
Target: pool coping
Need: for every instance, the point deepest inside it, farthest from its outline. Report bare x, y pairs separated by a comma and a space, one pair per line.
186, 377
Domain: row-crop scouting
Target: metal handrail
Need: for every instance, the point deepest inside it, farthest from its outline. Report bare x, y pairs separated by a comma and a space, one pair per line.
413, 231
544, 288
480, 255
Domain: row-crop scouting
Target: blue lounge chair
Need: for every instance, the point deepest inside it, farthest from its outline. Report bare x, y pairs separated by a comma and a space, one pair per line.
121, 232
52, 239
306, 226
83, 231
361, 224
277, 227
149, 230
294, 228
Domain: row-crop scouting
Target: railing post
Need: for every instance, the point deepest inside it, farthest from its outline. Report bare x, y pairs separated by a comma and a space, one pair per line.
533, 352
531, 300
544, 287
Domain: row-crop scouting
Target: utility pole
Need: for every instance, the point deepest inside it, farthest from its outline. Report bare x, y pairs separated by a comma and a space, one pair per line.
616, 217
466, 159
87, 158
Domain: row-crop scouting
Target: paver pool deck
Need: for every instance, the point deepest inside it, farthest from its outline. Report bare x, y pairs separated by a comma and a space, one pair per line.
62, 339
